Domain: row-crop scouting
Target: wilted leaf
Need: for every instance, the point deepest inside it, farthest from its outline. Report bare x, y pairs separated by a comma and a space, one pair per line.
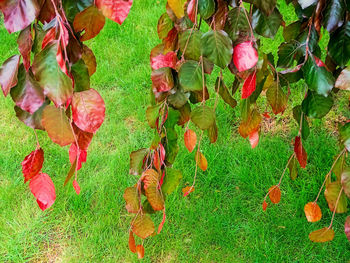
313, 212
73, 155
131, 197
88, 110
190, 138
32, 164
43, 189
8, 74
275, 194
116, 10
57, 125
90, 21
165, 24
322, 235
293, 168
331, 193
142, 226
245, 56
89, 59
300, 152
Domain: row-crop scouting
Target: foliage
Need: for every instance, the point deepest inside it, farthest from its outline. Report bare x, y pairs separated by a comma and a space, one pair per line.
52, 33
180, 66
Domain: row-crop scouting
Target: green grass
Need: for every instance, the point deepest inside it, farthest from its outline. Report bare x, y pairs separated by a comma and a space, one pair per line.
222, 221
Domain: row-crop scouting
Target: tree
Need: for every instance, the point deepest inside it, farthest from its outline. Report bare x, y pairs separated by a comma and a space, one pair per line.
54, 32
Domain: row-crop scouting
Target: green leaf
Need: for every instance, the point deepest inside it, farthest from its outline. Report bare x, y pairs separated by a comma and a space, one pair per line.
152, 115
316, 106
287, 52
171, 147
203, 117
73, 7
236, 24
317, 78
136, 161
57, 85
339, 45
344, 133
331, 193
293, 168
277, 98
266, 26
345, 181
171, 181
213, 133
190, 76
193, 51
312, 42
81, 76
217, 47
245, 109
142, 226
291, 31
57, 125
267, 6
178, 99
333, 15
251, 124
206, 8
305, 129
225, 93
165, 24
339, 167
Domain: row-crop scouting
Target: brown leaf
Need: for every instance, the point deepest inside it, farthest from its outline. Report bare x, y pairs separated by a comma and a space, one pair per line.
91, 21
143, 226
132, 245
190, 138
322, 235
275, 194
132, 201
201, 161
313, 212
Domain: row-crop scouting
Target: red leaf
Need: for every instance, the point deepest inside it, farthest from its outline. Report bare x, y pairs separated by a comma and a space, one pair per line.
18, 14
49, 37
266, 115
140, 251
254, 139
245, 56
191, 10
61, 61
162, 223
319, 62
76, 187
300, 152
163, 61
156, 160
73, 152
88, 110
8, 74
132, 245
190, 138
32, 164
116, 10
275, 194
25, 43
347, 227
264, 205
161, 180
43, 189
83, 138
161, 153
249, 85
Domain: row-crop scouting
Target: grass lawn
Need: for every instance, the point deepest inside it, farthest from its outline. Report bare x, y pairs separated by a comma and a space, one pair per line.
222, 221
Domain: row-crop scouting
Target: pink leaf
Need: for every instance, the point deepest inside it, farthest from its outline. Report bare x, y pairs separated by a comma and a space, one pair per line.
163, 61
116, 10
32, 164
249, 85
43, 189
319, 62
73, 152
88, 110
254, 139
191, 10
245, 56
8, 74
76, 187
49, 37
